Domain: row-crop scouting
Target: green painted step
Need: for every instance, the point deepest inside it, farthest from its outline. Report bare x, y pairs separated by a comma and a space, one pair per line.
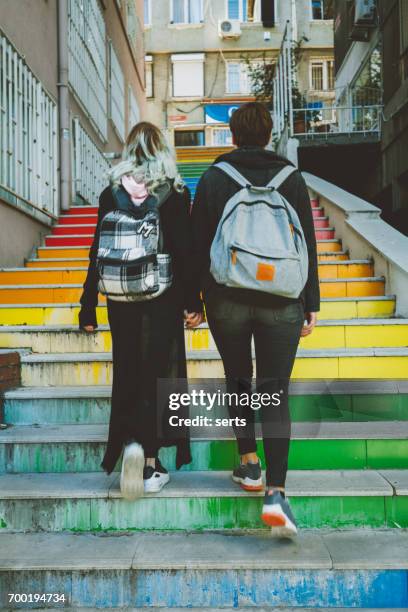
309, 401
196, 501
80, 448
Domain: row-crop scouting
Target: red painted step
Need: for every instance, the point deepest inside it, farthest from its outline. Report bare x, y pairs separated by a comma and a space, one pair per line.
315, 203
83, 210
68, 241
321, 223
78, 219
324, 234
69, 230
317, 212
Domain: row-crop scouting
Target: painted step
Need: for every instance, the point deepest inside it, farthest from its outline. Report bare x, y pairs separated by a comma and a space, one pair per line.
67, 230
38, 293
315, 202
68, 241
333, 256
309, 401
61, 252
321, 222
96, 368
328, 334
318, 212
83, 210
67, 314
192, 501
314, 446
50, 274
349, 568
333, 245
73, 262
72, 219
324, 234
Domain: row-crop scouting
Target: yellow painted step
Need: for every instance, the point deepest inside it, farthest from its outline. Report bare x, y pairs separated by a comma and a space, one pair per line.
325, 246
68, 314
34, 276
352, 287
345, 270
334, 256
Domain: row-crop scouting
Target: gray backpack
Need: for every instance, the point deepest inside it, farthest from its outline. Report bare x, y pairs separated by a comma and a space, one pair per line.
259, 243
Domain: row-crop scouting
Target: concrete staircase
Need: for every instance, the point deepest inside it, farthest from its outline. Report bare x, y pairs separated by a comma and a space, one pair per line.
63, 525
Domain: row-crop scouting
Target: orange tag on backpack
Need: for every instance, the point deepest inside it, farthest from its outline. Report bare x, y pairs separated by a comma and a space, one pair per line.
265, 272
233, 257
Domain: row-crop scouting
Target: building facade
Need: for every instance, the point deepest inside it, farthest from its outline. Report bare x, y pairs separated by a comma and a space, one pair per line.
371, 64
71, 86
200, 53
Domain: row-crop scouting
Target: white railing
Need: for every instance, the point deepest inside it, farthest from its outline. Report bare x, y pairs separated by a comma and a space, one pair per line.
134, 110
29, 130
89, 167
117, 94
331, 120
87, 60
282, 86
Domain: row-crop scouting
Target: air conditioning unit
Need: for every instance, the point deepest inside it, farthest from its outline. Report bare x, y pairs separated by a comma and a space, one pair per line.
365, 13
229, 28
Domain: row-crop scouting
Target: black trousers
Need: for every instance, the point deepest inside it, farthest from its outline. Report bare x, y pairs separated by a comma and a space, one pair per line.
276, 334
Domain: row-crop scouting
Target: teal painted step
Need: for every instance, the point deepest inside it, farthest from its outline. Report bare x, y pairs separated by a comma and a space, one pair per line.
194, 501
351, 569
80, 448
340, 401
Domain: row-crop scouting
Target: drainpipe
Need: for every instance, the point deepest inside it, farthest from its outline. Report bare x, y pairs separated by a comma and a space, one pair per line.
63, 107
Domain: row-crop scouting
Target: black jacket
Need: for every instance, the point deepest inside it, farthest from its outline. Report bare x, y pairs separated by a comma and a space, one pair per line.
214, 190
177, 240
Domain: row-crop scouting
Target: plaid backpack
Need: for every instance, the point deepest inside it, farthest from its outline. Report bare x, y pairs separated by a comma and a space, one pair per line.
129, 260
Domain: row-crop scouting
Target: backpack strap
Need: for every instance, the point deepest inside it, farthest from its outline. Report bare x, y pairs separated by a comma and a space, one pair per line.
233, 173
281, 176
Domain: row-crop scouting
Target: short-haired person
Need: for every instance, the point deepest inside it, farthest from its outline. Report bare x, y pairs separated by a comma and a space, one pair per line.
236, 315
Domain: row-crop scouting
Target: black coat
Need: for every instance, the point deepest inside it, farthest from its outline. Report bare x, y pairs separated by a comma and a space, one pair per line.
214, 190
148, 342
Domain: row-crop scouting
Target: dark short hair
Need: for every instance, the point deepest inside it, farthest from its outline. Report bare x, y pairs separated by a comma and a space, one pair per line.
251, 124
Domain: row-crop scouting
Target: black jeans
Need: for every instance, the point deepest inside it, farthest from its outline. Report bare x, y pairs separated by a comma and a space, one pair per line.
276, 334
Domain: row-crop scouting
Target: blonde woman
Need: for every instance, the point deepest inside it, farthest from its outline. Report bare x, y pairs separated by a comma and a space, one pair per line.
147, 336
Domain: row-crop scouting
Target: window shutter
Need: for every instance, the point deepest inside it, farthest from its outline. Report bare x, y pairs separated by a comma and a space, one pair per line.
268, 13
233, 9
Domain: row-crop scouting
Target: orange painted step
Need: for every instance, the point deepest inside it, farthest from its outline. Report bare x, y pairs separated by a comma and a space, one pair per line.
334, 256
39, 276
328, 246
58, 263
53, 253
346, 270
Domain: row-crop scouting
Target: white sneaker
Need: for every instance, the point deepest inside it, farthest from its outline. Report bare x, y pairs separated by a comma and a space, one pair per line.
155, 478
131, 478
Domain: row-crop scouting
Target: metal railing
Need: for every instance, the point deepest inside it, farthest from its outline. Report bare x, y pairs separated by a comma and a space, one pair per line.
89, 166
29, 131
87, 60
332, 120
282, 86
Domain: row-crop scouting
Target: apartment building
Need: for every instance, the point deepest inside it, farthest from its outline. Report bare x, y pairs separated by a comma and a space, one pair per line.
371, 57
71, 86
198, 53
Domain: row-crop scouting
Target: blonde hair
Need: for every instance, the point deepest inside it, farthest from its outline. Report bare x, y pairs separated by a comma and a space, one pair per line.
148, 159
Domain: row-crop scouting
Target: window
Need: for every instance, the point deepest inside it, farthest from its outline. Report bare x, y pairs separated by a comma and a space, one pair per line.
189, 138
188, 75
187, 11
134, 111
322, 9
117, 94
149, 76
238, 81
147, 12
244, 10
321, 75
221, 137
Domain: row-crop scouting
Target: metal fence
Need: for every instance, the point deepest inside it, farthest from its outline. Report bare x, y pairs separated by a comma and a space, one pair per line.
87, 60
89, 167
29, 129
332, 119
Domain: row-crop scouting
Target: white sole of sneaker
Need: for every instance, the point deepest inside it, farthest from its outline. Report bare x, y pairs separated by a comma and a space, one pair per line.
281, 525
154, 485
248, 484
131, 477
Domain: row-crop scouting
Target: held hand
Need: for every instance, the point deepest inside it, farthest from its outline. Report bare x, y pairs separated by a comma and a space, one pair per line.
310, 323
89, 329
193, 319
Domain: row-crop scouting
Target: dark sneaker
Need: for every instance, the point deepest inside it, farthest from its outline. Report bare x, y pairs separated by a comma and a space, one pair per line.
249, 476
131, 478
276, 513
155, 478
